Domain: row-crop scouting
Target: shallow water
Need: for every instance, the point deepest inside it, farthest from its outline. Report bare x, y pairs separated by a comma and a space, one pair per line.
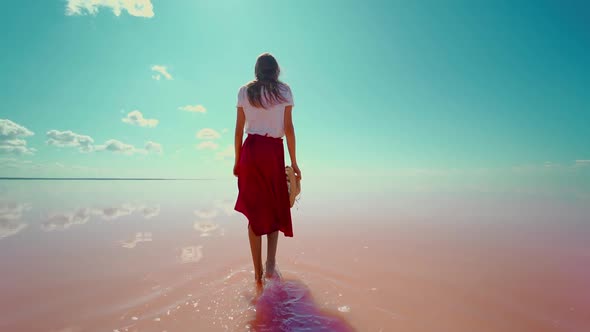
174, 256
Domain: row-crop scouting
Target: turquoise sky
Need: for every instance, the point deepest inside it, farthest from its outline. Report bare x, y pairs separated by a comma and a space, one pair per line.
409, 89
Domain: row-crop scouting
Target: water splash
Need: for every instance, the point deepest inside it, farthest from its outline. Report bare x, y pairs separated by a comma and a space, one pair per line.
287, 305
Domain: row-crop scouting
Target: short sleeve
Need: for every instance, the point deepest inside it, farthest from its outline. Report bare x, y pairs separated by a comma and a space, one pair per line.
241, 96
289, 96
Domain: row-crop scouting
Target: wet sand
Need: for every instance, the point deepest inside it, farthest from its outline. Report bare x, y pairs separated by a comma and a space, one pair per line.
147, 256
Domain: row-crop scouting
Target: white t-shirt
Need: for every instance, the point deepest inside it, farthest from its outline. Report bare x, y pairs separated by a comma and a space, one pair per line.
269, 120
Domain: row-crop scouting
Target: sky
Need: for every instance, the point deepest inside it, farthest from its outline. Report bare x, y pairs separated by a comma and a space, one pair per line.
457, 93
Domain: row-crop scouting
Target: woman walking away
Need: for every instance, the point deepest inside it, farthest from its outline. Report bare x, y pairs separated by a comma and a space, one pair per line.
264, 109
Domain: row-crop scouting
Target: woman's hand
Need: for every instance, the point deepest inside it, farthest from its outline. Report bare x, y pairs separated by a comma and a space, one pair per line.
296, 170
236, 169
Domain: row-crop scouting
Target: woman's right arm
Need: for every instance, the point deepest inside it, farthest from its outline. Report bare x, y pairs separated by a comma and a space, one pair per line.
239, 135
290, 135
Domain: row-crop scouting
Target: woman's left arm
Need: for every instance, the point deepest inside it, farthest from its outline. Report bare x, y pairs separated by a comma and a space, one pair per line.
240, 122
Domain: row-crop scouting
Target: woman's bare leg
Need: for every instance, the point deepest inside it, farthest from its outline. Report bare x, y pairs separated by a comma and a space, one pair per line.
273, 239
256, 248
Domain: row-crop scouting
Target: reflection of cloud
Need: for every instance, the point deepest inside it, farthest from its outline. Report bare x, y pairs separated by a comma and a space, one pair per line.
140, 8
11, 138
111, 213
162, 71
11, 218
206, 213
193, 108
191, 254
227, 206
69, 139
65, 220
149, 212
136, 118
139, 237
207, 228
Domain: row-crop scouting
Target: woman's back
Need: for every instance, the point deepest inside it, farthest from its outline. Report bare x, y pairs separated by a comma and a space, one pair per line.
267, 121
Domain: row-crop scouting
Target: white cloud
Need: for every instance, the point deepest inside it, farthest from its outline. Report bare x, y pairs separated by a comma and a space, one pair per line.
161, 71
582, 163
208, 134
207, 145
136, 118
18, 150
193, 108
114, 145
153, 147
11, 130
15, 146
140, 8
11, 138
70, 139
226, 154
117, 146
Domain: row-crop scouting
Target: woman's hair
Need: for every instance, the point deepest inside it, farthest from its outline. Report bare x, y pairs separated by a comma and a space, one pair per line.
267, 73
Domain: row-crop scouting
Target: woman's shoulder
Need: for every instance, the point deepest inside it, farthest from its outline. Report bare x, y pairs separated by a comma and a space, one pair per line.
285, 87
248, 84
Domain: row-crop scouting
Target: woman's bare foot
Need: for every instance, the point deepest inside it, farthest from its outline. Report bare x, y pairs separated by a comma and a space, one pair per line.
258, 276
270, 269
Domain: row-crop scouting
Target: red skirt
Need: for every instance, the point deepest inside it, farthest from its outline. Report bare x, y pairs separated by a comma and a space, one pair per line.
263, 195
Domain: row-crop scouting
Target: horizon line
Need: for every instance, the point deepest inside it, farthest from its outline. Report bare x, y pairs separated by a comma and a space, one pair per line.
106, 178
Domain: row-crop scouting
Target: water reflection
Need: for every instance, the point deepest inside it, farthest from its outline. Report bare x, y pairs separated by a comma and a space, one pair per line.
227, 206
149, 212
80, 216
208, 213
191, 254
206, 225
11, 215
287, 305
439, 250
139, 237
208, 228
66, 219
110, 213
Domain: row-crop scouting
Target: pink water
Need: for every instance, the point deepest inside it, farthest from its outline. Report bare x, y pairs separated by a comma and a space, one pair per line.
149, 256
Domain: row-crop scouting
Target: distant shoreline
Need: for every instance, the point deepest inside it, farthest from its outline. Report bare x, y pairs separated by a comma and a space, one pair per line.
105, 179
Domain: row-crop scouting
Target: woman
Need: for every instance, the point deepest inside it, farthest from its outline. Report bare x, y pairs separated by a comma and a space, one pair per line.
264, 108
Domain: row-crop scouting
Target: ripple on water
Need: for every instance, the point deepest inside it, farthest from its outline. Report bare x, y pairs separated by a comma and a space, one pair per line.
287, 305
232, 302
